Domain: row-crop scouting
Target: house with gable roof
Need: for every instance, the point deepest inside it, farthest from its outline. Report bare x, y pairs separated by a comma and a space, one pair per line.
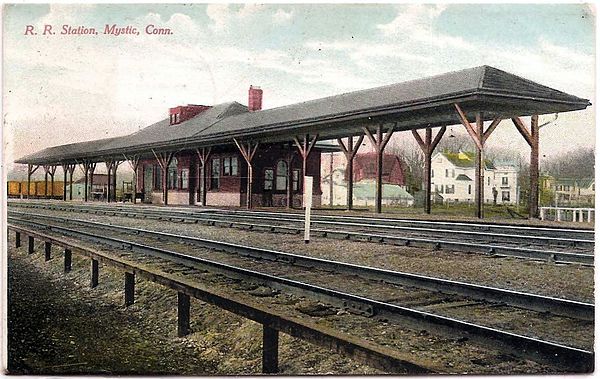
453, 178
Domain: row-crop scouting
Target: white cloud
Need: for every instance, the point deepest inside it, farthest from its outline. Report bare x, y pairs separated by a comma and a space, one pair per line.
282, 16
219, 14
94, 88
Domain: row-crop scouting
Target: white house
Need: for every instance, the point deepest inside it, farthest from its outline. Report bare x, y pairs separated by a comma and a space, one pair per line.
453, 178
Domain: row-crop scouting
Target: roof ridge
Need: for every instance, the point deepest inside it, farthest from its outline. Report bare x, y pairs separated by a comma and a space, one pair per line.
378, 87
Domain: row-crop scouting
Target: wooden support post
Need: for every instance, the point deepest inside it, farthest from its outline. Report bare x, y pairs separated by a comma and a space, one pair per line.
428, 146
30, 245
164, 160
17, 239
379, 142
30, 171
183, 314
532, 137
203, 156
71, 170
134, 163
51, 172
479, 136
350, 152
68, 258
64, 167
479, 167
46, 169
94, 274
85, 167
47, 250
109, 164
115, 166
305, 148
270, 358
248, 152
91, 172
129, 288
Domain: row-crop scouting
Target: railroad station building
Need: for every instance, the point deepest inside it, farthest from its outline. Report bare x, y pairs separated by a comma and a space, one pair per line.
242, 155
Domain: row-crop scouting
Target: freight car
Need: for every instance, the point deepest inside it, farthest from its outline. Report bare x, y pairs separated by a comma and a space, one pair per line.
18, 189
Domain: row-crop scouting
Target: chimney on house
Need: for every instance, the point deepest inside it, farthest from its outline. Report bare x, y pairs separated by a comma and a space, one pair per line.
255, 99
185, 112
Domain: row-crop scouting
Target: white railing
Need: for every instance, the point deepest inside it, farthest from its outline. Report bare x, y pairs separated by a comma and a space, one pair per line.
568, 214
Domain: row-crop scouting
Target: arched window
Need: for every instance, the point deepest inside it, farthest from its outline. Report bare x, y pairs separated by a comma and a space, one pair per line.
281, 182
172, 174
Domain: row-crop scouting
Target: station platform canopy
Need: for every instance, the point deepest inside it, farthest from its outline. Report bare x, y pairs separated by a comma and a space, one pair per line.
415, 104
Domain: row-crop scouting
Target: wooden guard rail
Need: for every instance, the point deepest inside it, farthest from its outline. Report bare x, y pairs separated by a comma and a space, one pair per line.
273, 322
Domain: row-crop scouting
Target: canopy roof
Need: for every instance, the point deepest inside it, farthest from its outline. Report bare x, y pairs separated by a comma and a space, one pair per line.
414, 104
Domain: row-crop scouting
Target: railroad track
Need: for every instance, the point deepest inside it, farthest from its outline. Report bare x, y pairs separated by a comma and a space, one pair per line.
392, 301
515, 245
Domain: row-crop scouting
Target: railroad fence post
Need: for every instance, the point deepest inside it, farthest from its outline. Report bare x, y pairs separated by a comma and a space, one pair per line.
270, 358
183, 314
68, 257
94, 274
30, 244
129, 288
47, 250
18, 238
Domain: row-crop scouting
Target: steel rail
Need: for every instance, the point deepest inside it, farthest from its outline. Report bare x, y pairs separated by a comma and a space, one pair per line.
518, 238
586, 234
445, 223
374, 355
533, 348
540, 303
465, 247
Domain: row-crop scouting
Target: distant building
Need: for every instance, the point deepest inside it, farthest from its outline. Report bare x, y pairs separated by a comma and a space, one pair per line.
98, 190
453, 178
569, 191
365, 167
364, 173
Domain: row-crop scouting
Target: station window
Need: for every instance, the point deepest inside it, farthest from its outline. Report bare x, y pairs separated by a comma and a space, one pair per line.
230, 166
296, 180
214, 173
172, 175
281, 180
269, 179
185, 174
157, 177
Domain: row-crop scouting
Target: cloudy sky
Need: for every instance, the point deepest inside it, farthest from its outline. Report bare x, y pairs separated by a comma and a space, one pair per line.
65, 88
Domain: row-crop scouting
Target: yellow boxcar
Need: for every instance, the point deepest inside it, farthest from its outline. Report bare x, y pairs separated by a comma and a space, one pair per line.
14, 188
58, 189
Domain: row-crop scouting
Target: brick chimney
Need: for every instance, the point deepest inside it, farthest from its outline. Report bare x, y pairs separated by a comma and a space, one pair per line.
255, 98
182, 113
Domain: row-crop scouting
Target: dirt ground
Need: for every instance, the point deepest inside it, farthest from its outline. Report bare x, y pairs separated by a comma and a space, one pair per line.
142, 338
58, 325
